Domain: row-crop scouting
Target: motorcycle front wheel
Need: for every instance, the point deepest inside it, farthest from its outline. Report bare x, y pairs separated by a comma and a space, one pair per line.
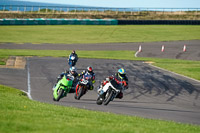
108, 97
79, 93
99, 100
60, 94
73, 63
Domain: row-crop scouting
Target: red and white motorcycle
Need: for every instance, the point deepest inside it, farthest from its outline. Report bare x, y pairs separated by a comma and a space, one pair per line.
110, 90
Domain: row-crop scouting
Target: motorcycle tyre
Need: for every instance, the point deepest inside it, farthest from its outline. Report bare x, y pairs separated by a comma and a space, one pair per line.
79, 91
60, 94
108, 98
73, 63
54, 99
99, 102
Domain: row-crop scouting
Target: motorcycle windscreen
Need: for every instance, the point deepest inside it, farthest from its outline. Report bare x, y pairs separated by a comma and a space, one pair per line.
67, 82
87, 76
72, 58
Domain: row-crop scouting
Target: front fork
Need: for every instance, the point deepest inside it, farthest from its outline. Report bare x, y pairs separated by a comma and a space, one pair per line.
102, 90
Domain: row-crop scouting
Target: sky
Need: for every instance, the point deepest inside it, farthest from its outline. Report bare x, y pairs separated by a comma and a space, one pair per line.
128, 3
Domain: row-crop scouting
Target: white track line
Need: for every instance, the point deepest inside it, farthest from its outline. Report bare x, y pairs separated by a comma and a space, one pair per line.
167, 70
28, 81
136, 53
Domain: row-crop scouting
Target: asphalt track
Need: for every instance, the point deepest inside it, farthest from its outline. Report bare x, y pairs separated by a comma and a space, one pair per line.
153, 93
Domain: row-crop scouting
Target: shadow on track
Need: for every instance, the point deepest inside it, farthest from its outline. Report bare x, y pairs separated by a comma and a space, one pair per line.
150, 81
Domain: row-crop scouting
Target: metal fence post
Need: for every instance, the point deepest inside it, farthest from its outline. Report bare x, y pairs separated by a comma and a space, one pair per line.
90, 11
10, 9
4, 8
24, 9
95, 11
131, 11
32, 9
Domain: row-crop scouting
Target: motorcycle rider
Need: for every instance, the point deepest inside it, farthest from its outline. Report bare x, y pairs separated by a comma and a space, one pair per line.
120, 79
73, 54
71, 73
89, 72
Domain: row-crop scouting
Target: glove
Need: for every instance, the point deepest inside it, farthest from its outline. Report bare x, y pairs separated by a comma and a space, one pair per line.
111, 78
124, 83
93, 81
125, 87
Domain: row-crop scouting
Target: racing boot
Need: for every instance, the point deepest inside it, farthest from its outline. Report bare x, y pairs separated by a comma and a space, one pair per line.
120, 95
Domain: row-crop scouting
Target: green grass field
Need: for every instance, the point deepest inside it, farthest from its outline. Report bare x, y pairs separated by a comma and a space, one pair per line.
97, 34
19, 114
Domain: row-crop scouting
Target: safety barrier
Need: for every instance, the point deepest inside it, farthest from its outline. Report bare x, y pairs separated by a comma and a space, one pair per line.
40, 21
158, 22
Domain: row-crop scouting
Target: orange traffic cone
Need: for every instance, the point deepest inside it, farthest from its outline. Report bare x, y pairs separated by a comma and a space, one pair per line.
184, 48
163, 48
140, 49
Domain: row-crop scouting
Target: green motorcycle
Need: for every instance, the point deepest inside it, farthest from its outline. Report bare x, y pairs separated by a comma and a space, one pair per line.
62, 87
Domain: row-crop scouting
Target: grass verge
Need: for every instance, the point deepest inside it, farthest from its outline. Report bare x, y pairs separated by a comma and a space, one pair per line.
19, 114
184, 67
70, 34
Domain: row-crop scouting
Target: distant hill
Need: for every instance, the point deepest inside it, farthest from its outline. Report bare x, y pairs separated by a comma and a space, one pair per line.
13, 5
6, 4
27, 3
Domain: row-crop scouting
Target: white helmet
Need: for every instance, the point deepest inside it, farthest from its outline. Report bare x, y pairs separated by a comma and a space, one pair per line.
72, 69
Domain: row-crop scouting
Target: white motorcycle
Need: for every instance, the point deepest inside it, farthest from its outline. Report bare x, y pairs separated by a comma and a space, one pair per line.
108, 92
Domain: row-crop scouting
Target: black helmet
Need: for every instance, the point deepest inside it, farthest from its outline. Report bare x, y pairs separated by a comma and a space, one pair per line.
73, 51
89, 69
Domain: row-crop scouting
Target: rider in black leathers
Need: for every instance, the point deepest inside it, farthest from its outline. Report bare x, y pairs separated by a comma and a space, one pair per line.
120, 78
72, 73
75, 55
89, 72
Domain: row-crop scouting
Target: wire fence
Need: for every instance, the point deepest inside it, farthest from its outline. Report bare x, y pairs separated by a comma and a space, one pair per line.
94, 10
22, 11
